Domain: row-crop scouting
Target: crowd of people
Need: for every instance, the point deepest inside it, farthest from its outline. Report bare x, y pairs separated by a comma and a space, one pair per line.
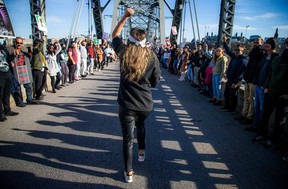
30, 66
218, 73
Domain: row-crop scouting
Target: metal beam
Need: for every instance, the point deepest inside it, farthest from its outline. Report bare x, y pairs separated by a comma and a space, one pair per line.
226, 20
149, 16
177, 15
37, 7
97, 14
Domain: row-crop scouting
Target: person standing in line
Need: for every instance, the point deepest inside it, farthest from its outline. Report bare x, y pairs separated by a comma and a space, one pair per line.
254, 56
99, 61
62, 58
108, 53
72, 61
91, 56
84, 56
38, 65
218, 75
5, 85
78, 64
276, 97
234, 73
18, 56
52, 65
139, 71
260, 77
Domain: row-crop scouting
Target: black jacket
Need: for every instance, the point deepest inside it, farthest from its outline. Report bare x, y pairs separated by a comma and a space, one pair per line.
236, 66
255, 56
136, 95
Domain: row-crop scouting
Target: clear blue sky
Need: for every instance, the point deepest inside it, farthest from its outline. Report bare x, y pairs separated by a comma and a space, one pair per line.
262, 17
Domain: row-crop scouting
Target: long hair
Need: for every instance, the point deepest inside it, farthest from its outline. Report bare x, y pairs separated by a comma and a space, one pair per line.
215, 57
135, 58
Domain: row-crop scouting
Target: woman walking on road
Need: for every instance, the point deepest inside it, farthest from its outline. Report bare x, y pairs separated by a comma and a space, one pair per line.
140, 71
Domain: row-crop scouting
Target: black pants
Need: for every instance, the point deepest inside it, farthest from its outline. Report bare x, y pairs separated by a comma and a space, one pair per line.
55, 81
72, 69
37, 79
5, 85
130, 119
281, 110
231, 98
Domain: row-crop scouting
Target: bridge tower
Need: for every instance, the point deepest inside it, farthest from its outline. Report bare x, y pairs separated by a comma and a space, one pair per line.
37, 7
226, 20
149, 16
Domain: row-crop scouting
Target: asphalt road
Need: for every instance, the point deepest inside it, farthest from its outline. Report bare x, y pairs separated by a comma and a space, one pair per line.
72, 139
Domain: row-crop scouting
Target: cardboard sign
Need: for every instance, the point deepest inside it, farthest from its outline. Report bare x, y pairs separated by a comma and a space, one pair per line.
174, 30
21, 74
41, 24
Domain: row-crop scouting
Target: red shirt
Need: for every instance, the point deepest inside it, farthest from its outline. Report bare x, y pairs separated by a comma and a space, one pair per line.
91, 51
74, 56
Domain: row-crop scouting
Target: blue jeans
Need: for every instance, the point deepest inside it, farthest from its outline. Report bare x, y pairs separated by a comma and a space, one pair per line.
175, 65
190, 72
258, 105
216, 86
28, 89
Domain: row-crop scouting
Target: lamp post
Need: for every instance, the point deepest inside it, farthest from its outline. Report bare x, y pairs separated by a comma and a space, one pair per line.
246, 31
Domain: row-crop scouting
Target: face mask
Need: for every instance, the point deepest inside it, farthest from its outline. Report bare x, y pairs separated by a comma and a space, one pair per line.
1, 41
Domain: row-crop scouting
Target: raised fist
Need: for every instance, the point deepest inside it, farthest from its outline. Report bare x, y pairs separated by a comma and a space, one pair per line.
129, 12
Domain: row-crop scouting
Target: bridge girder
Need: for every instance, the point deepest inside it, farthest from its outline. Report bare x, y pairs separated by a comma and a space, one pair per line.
97, 15
177, 17
226, 20
149, 16
37, 7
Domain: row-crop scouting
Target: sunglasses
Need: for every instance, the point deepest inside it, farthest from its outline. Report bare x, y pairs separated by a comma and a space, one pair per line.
237, 50
19, 43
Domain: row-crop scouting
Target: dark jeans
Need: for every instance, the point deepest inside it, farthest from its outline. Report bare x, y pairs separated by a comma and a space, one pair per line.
230, 97
130, 119
72, 69
5, 85
37, 78
64, 71
281, 110
15, 90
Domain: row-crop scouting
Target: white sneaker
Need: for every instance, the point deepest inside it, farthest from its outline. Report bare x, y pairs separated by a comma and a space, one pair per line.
128, 178
141, 158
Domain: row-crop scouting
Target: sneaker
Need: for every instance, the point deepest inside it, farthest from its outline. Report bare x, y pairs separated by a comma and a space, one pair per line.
21, 105
32, 102
3, 118
128, 178
258, 139
11, 113
141, 157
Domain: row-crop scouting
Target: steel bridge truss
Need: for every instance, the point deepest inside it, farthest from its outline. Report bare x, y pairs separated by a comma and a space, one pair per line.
37, 7
149, 16
226, 20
